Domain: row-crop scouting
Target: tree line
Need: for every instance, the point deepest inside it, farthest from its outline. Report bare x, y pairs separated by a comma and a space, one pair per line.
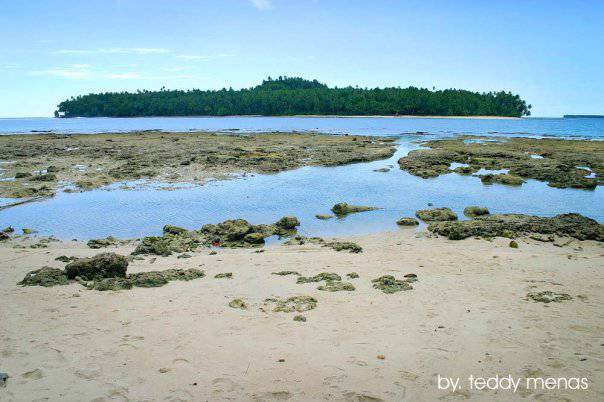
295, 96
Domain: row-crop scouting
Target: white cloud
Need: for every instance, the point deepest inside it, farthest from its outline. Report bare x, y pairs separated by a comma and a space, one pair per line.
76, 71
202, 57
115, 50
87, 72
262, 4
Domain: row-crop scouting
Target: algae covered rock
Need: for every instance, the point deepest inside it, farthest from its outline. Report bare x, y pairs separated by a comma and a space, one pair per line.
337, 286
168, 243
352, 275
238, 303
8, 229
299, 318
254, 238
344, 246
323, 276
300, 240
502, 178
323, 216
4, 236
389, 284
548, 297
105, 265
45, 276
343, 209
151, 279
284, 273
474, 211
106, 284
291, 304
514, 225
224, 275
64, 258
240, 233
100, 243
174, 230
288, 222
513, 244
436, 214
183, 274
407, 222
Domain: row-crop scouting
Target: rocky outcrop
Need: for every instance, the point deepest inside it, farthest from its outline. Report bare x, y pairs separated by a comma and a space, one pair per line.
514, 225
105, 265
436, 214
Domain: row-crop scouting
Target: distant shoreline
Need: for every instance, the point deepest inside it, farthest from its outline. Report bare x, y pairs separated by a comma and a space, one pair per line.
330, 116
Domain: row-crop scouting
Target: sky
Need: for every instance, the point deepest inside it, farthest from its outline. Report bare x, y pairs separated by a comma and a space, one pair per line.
548, 52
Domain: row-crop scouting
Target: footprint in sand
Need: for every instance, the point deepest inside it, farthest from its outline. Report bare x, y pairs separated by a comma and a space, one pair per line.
272, 396
33, 374
225, 385
358, 397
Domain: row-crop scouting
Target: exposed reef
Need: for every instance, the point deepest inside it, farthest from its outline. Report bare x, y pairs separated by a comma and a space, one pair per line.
436, 214
561, 163
515, 225
44, 163
106, 271
230, 233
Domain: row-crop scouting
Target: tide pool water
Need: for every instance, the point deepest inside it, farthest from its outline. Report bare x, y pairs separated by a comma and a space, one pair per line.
302, 192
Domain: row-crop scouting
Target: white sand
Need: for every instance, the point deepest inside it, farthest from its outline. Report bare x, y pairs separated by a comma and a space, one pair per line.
466, 315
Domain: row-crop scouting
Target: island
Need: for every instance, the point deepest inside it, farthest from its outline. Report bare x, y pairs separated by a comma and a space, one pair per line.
289, 96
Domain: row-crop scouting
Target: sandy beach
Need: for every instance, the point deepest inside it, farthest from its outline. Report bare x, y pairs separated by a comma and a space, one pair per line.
466, 315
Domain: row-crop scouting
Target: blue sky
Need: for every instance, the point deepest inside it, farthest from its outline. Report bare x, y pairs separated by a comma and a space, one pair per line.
549, 52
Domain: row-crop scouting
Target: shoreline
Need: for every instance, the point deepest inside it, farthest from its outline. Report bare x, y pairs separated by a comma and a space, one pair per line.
183, 340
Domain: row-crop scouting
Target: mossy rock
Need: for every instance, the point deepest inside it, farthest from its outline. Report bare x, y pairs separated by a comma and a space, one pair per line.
292, 304
174, 230
22, 175
323, 216
224, 275
337, 286
514, 225
238, 303
389, 284
513, 244
8, 229
502, 178
436, 214
101, 243
299, 318
105, 265
300, 240
548, 297
64, 258
473, 211
407, 222
106, 284
45, 276
152, 279
183, 274
343, 209
4, 236
284, 273
352, 275
323, 276
344, 246
288, 222
254, 238
44, 177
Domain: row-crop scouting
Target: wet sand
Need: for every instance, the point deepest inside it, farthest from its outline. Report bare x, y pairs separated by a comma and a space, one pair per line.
467, 314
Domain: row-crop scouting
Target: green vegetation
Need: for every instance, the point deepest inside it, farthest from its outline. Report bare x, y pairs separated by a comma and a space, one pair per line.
295, 96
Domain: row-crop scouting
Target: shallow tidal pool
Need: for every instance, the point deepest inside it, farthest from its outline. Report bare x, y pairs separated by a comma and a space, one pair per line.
303, 192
